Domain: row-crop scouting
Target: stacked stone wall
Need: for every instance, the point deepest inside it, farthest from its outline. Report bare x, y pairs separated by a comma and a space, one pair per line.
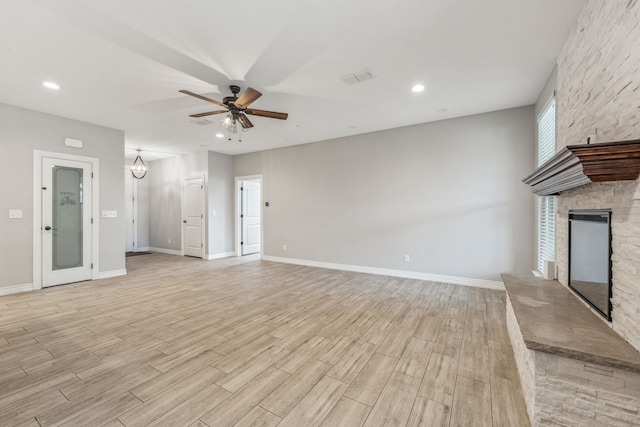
574, 393
598, 90
524, 360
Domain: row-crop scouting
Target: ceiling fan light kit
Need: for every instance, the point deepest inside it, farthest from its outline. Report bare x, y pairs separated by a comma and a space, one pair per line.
236, 108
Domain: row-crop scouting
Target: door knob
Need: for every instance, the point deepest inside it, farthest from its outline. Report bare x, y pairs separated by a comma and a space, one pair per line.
48, 227
185, 221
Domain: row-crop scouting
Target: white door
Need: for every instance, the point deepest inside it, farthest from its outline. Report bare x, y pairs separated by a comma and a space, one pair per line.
193, 217
66, 221
250, 217
129, 182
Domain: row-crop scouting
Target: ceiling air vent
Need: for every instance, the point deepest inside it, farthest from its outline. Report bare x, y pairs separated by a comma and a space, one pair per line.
358, 77
201, 122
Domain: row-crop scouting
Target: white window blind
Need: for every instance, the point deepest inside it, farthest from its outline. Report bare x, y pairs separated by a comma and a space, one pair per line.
546, 204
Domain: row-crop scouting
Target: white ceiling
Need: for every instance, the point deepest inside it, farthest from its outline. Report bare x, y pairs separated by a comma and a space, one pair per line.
120, 63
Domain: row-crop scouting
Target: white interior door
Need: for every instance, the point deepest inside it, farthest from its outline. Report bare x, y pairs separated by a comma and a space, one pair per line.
250, 217
128, 210
66, 221
193, 217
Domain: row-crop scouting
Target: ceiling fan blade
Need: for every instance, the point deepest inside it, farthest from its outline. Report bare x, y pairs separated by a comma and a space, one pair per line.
244, 121
210, 113
247, 97
204, 98
270, 114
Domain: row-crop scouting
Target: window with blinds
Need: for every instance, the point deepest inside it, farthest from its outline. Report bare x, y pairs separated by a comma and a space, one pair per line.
546, 204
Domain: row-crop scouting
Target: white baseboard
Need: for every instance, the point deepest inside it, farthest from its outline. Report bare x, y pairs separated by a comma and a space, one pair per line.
465, 281
111, 273
144, 249
14, 289
27, 287
220, 255
166, 251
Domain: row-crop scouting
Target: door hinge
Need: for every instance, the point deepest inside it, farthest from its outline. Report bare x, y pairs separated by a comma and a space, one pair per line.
201, 216
241, 188
91, 174
241, 216
242, 243
201, 245
91, 220
92, 266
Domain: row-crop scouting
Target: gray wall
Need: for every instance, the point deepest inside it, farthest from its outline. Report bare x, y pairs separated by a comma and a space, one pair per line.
166, 179
447, 193
220, 201
21, 132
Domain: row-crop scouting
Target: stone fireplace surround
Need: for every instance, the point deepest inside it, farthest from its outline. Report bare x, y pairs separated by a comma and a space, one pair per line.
597, 92
622, 198
576, 368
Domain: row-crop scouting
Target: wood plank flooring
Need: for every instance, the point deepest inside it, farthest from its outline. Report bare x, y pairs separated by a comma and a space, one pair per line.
240, 341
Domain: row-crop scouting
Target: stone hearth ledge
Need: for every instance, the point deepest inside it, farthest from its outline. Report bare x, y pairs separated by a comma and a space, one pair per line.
553, 320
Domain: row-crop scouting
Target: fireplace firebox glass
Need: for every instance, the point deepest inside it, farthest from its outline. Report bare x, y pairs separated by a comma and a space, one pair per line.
590, 257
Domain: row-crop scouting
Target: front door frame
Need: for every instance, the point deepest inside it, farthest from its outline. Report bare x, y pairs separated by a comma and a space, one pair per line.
38, 155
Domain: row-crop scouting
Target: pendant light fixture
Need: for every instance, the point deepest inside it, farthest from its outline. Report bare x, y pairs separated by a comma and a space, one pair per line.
138, 168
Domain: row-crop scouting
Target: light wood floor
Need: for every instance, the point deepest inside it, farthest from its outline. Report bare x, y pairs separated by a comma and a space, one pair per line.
186, 342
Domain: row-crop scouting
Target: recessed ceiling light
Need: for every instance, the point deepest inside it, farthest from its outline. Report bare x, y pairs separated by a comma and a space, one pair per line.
417, 88
51, 85
219, 135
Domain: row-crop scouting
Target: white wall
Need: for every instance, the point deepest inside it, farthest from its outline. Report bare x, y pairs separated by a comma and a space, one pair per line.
23, 131
447, 193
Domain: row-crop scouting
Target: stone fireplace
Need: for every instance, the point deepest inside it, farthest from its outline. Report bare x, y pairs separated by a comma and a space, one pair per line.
620, 197
569, 378
598, 93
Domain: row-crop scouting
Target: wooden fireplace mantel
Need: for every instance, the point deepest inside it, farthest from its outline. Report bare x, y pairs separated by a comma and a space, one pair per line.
576, 165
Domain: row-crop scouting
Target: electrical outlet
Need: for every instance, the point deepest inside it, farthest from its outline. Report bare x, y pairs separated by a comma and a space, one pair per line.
284, 247
406, 258
169, 241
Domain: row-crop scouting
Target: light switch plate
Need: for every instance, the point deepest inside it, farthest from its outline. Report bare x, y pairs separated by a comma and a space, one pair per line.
15, 213
109, 214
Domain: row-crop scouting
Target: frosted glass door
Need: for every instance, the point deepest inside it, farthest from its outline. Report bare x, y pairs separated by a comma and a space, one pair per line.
67, 217
66, 226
